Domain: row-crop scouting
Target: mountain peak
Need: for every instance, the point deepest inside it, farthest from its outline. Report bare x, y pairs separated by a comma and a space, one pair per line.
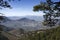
24, 19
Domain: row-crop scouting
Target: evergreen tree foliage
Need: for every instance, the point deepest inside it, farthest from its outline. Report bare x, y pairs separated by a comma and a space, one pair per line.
51, 10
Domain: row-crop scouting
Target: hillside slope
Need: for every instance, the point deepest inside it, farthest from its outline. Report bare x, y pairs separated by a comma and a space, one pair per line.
48, 34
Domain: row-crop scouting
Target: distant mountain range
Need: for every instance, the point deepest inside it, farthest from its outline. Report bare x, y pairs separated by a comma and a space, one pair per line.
36, 18
26, 23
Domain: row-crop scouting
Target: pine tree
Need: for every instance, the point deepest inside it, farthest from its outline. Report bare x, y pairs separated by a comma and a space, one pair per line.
51, 10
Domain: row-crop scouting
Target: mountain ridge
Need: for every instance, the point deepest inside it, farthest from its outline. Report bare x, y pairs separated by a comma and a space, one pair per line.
37, 18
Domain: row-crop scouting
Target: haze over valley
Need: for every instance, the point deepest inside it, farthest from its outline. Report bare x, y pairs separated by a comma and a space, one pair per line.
26, 23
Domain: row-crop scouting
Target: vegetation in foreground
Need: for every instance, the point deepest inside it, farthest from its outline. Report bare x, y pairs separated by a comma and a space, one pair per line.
48, 34
52, 34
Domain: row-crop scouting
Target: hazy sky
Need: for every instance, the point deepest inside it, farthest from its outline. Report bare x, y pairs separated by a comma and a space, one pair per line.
22, 8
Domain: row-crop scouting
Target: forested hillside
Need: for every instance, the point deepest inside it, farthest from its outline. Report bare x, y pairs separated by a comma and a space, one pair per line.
49, 34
